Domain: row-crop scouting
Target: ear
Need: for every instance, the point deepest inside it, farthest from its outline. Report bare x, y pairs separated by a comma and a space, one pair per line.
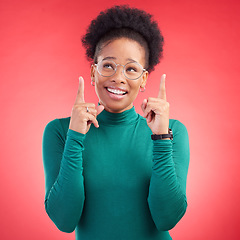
93, 72
144, 79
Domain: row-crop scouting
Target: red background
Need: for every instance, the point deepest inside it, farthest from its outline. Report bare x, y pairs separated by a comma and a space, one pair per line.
41, 59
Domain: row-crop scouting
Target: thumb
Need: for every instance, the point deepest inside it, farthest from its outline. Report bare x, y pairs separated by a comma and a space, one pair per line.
99, 108
144, 104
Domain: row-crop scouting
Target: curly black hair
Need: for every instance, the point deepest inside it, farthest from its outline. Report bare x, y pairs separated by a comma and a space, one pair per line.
123, 21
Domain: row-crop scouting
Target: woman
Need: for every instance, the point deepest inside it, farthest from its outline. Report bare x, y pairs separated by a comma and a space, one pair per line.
111, 173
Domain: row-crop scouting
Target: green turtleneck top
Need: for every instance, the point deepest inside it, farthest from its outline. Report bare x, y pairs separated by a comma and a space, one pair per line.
115, 182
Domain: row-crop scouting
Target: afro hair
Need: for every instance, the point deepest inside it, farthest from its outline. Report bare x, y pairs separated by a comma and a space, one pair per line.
110, 24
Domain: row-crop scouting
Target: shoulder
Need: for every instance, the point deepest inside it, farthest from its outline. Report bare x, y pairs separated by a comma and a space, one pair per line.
179, 130
177, 125
58, 123
58, 126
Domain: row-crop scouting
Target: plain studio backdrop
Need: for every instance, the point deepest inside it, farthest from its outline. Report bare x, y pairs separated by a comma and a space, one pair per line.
41, 60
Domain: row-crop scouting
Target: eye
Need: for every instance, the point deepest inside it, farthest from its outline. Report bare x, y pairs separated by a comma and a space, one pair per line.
131, 69
108, 66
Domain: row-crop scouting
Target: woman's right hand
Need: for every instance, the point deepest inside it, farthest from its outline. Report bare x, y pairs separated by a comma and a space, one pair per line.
83, 114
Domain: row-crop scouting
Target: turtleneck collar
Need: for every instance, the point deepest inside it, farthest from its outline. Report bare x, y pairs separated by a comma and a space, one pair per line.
124, 118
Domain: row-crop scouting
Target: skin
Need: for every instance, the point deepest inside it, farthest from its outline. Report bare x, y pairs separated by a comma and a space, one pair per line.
155, 109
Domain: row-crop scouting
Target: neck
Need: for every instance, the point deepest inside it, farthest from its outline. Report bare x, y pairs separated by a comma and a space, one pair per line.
126, 117
116, 110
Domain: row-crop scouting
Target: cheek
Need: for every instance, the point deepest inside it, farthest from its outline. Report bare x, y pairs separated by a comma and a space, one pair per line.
99, 86
99, 83
135, 87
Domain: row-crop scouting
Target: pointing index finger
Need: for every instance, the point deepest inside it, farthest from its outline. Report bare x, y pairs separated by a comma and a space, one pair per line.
162, 88
80, 93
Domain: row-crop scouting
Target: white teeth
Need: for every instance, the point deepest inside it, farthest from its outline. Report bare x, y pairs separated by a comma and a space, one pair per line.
115, 91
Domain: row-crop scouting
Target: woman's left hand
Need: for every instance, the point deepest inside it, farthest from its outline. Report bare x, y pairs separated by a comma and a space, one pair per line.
156, 110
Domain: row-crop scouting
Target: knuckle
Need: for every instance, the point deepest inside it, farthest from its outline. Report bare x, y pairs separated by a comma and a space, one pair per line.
91, 105
75, 107
151, 99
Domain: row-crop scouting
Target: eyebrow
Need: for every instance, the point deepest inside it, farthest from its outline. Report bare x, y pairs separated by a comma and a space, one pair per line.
129, 59
109, 58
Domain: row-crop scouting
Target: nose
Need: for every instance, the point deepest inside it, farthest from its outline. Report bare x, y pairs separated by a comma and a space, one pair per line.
119, 75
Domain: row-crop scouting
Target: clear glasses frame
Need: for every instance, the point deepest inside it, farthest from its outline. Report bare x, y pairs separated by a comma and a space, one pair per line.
124, 70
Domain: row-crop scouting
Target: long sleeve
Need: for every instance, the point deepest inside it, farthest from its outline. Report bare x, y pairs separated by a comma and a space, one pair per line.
115, 182
64, 183
167, 192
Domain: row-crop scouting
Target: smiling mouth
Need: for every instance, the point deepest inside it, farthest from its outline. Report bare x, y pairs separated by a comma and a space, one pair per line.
116, 91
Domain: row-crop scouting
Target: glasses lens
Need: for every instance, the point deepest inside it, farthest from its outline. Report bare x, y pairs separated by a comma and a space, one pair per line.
133, 70
107, 68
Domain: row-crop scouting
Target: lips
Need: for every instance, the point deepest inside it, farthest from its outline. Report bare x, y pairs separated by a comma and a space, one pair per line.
117, 91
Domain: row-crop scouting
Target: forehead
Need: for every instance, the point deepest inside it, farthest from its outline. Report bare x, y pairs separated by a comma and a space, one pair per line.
122, 50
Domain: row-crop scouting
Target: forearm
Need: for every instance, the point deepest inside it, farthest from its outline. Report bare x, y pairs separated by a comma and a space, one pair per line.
167, 198
64, 201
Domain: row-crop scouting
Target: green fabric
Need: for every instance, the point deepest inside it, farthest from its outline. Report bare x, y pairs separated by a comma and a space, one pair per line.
115, 182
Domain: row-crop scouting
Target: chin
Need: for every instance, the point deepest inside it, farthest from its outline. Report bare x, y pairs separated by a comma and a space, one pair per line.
116, 108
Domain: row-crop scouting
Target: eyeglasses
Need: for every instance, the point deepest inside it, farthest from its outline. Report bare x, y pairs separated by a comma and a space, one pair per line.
131, 70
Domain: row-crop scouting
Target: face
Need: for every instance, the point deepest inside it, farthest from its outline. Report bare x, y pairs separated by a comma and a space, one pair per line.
117, 93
